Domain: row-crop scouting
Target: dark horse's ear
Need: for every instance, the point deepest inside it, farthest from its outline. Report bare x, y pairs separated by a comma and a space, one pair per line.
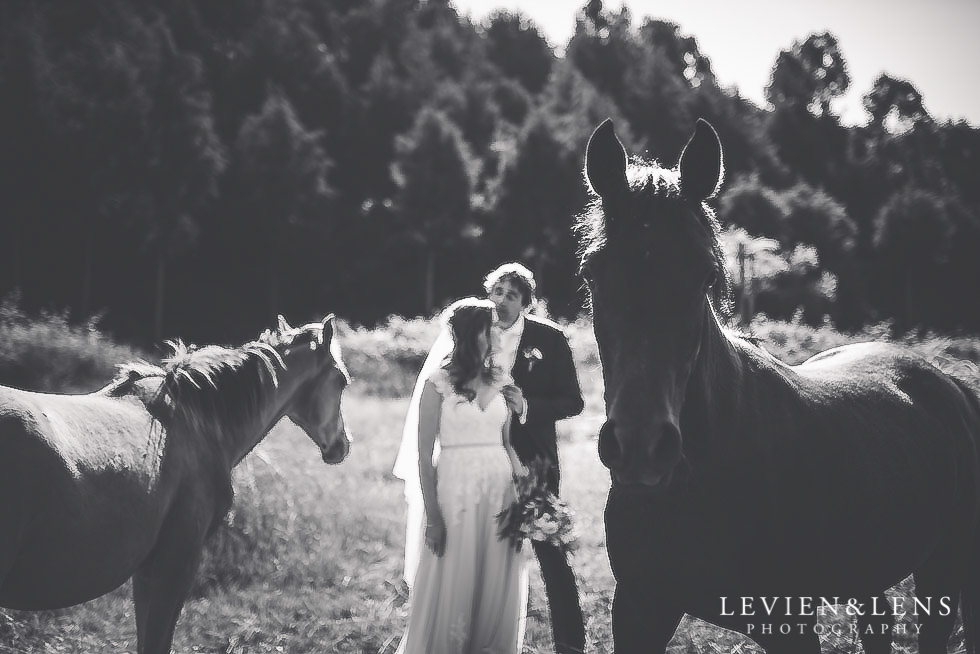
701, 164
605, 162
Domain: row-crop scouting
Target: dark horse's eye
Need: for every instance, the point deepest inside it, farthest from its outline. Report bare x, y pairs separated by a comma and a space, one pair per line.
711, 280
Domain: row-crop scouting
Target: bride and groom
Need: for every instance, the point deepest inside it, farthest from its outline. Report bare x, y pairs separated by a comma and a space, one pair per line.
485, 406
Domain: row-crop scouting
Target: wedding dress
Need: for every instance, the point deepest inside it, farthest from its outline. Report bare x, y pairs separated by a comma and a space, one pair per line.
472, 599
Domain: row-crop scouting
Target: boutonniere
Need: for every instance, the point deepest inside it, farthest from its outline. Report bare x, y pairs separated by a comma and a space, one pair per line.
533, 355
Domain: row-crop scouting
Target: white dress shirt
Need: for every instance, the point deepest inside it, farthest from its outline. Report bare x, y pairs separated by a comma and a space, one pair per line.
505, 342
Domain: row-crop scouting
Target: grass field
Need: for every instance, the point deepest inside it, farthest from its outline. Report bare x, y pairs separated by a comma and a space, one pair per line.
309, 560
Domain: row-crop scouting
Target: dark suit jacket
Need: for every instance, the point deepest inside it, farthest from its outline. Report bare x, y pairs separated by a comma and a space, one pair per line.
551, 388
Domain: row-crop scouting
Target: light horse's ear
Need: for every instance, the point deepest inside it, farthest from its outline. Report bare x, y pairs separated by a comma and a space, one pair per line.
283, 325
605, 162
326, 334
701, 165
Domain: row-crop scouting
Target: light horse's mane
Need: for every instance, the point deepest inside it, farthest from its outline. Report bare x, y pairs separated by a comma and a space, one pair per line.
652, 188
210, 389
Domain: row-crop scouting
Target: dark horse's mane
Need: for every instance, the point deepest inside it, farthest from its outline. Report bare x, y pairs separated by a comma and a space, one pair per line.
652, 187
206, 389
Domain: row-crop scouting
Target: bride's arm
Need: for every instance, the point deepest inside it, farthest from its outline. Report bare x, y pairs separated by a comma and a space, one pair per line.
515, 462
430, 409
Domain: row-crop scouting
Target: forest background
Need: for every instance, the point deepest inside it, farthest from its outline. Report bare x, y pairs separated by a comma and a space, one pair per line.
191, 169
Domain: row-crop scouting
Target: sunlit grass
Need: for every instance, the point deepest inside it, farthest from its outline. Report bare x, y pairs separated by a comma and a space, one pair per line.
310, 561
310, 558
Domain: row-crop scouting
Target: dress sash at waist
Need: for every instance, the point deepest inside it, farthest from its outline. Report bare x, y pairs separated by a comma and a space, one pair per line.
453, 446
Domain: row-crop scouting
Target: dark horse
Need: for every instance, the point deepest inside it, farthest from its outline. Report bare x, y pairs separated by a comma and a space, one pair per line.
131, 479
737, 476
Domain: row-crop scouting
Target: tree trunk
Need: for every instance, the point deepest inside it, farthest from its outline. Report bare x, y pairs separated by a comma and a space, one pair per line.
160, 289
430, 280
745, 298
17, 257
540, 264
87, 272
272, 292
911, 303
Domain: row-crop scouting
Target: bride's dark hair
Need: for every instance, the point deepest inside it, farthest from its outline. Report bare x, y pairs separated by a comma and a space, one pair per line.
467, 319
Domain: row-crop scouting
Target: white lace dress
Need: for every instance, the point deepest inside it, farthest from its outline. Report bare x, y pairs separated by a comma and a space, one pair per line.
472, 599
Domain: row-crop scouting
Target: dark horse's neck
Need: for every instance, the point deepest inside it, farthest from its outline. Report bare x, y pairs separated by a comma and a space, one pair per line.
713, 393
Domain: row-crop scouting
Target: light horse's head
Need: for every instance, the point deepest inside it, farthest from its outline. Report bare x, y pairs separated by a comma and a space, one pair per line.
311, 355
651, 258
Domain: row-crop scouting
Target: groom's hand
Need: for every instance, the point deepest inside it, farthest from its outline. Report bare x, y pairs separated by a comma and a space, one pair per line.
514, 397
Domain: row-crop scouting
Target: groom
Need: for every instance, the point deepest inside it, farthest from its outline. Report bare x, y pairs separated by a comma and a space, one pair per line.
545, 390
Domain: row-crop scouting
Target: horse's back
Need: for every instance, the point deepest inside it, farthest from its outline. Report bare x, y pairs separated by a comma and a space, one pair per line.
859, 439
856, 358
82, 470
81, 440
887, 373
76, 423
887, 392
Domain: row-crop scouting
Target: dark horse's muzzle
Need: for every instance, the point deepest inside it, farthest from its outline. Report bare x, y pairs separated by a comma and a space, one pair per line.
637, 457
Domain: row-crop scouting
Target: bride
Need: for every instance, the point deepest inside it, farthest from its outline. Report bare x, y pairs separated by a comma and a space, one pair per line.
468, 588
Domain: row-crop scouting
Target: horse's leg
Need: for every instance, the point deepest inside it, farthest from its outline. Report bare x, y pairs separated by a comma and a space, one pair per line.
641, 622
160, 586
876, 630
10, 537
14, 517
937, 581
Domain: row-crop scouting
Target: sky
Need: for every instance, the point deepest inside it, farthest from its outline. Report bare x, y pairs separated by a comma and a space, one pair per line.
935, 44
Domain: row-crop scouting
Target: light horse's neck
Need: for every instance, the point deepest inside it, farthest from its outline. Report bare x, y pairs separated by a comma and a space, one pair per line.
238, 443
229, 398
271, 408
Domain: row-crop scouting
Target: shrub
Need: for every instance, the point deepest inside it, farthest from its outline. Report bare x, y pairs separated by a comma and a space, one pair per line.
49, 353
385, 361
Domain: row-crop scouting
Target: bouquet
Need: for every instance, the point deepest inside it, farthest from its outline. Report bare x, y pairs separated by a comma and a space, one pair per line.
537, 513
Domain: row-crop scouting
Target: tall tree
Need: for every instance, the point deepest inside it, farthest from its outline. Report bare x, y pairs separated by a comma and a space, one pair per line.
602, 48
517, 48
814, 218
539, 191
24, 64
807, 134
184, 160
912, 238
282, 172
895, 105
809, 75
679, 51
756, 208
435, 175
657, 100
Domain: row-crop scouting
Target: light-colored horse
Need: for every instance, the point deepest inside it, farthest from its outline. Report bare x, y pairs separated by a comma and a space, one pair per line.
129, 481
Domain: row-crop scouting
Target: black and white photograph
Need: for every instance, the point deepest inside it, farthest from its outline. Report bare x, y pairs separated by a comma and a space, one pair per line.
489, 327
